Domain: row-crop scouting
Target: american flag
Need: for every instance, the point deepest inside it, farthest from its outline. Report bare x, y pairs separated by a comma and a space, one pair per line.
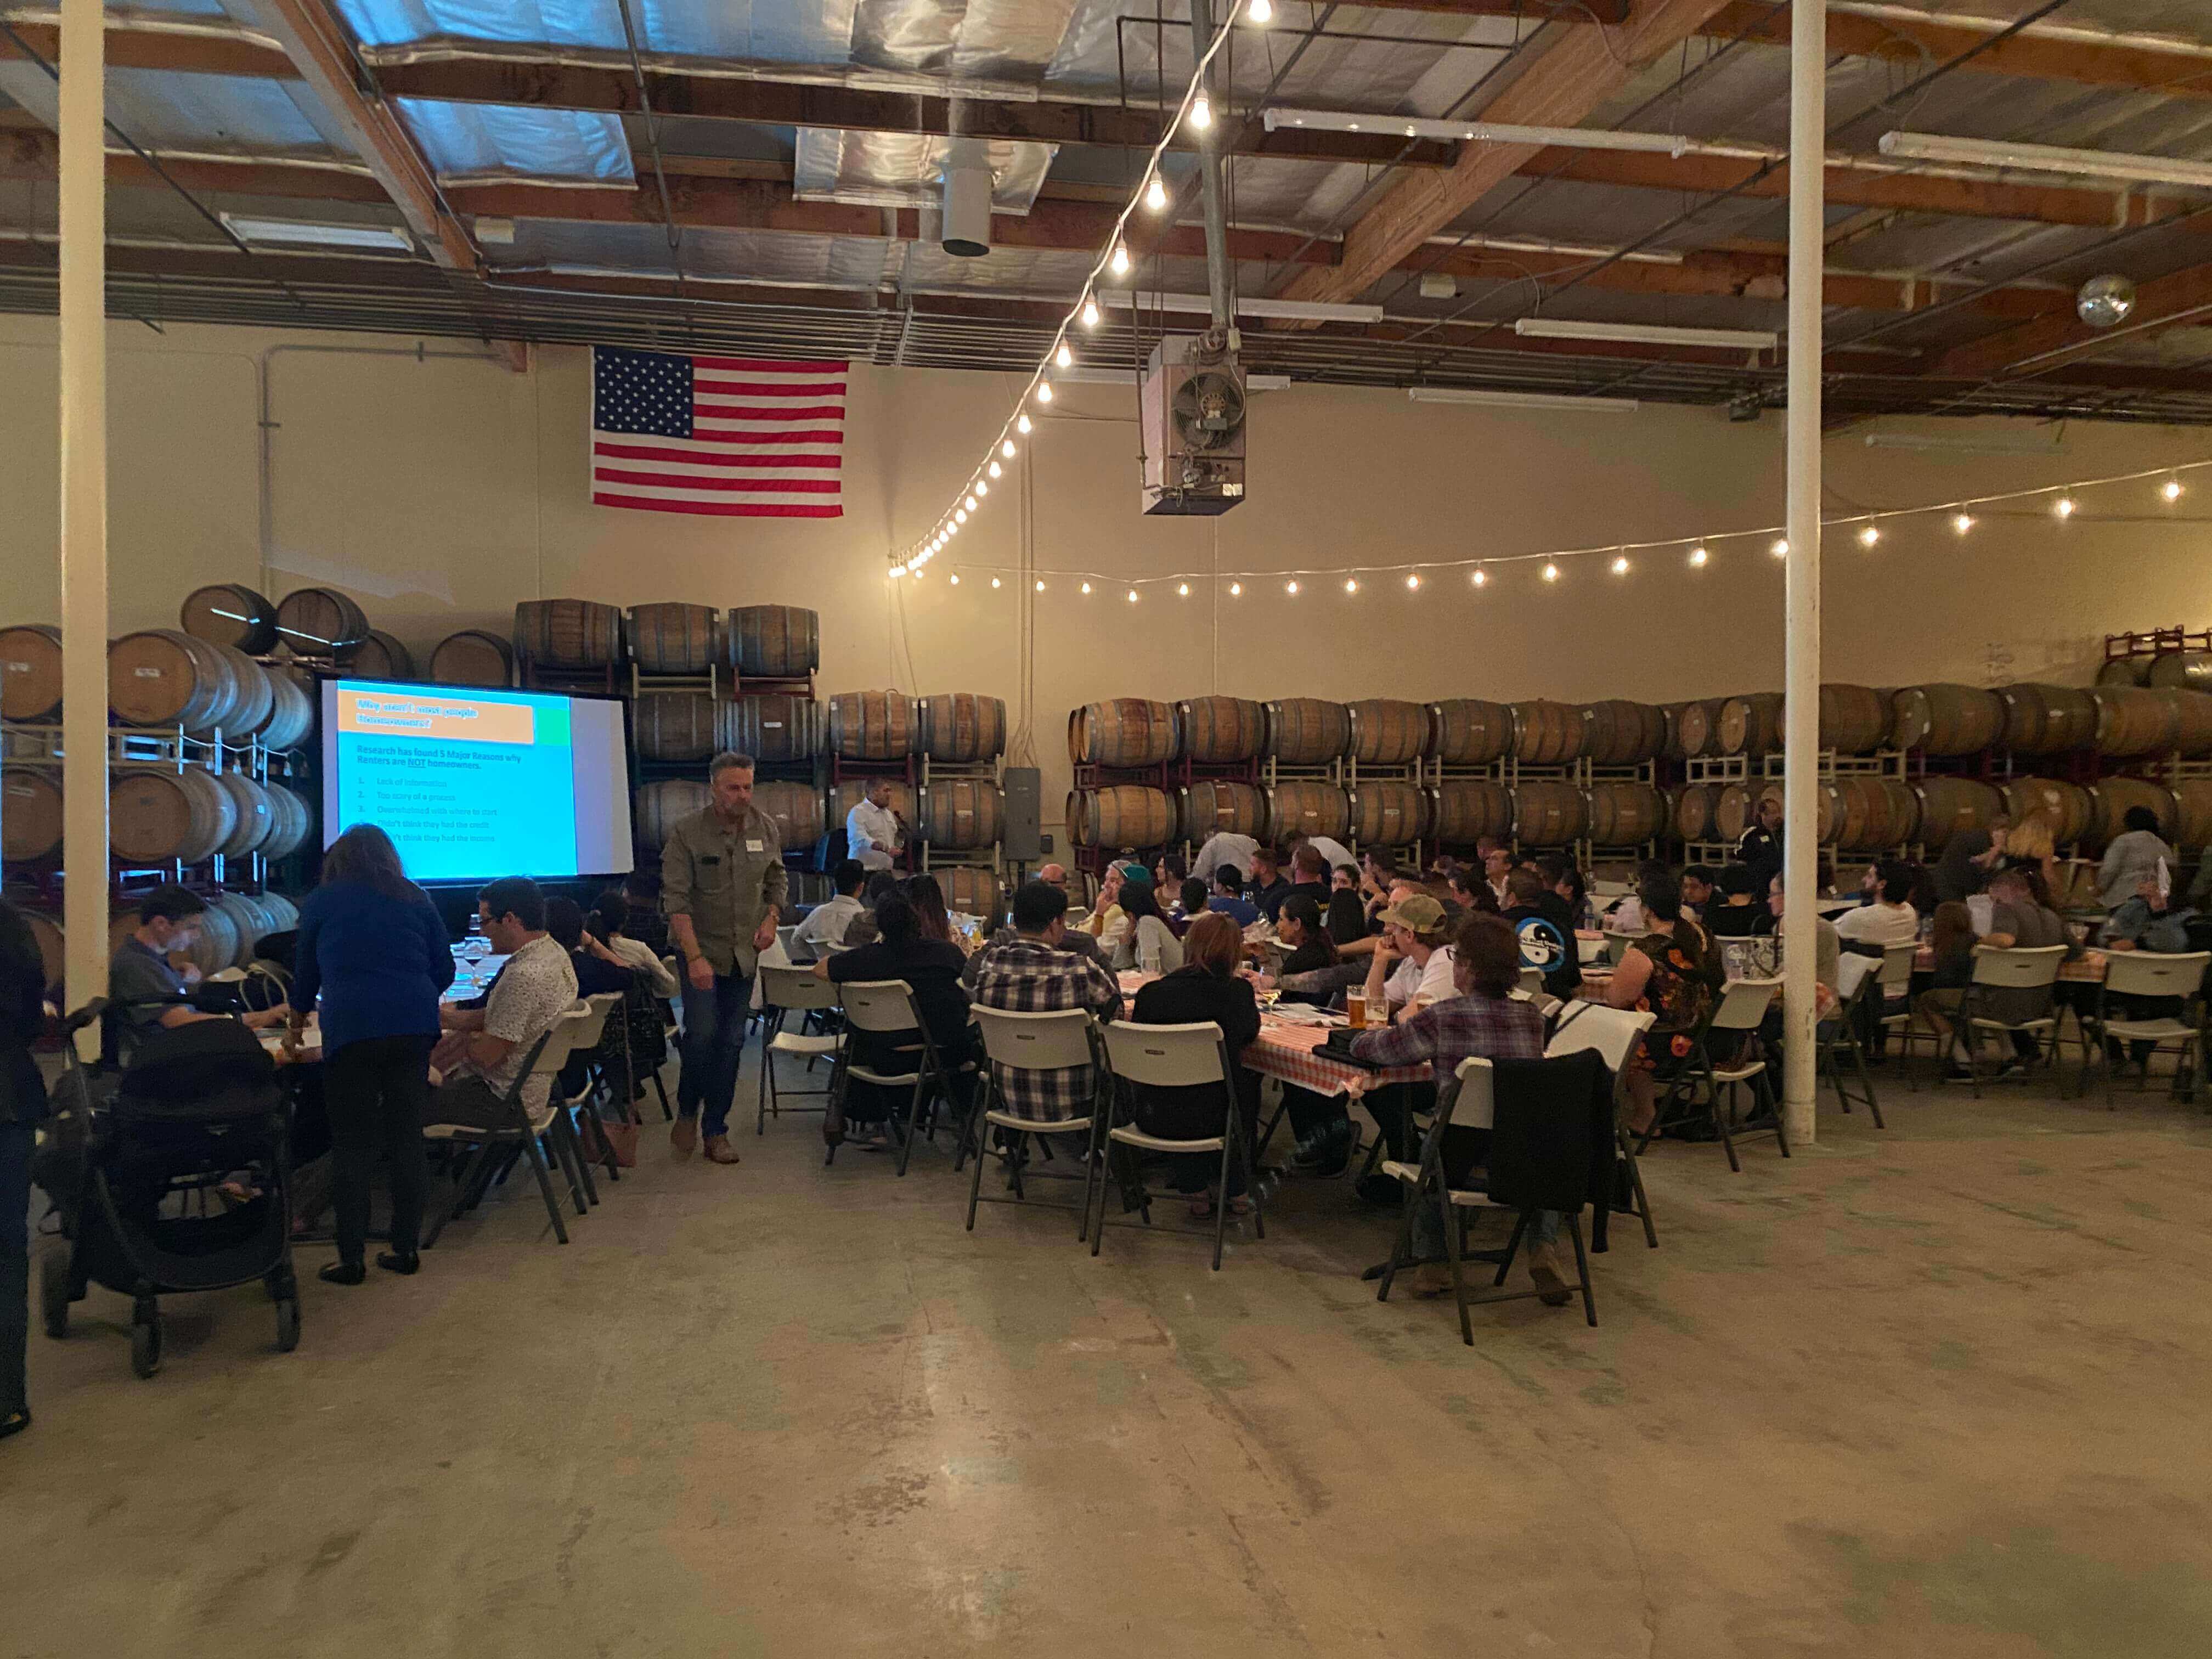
736, 437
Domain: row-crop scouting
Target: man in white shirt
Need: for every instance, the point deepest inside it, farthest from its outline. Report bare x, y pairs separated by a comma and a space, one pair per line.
824, 930
1224, 847
1412, 960
1497, 863
872, 831
1891, 919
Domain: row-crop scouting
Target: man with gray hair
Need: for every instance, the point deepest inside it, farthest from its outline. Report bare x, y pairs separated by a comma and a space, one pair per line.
722, 886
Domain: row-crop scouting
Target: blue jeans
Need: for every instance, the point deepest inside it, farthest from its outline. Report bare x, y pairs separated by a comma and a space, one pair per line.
14, 1263
1429, 1231
714, 1044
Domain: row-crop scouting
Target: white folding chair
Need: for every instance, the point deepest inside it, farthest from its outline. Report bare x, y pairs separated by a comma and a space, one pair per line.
784, 992
1613, 1034
2147, 973
1532, 981
1616, 946
1893, 984
1740, 1011
523, 1131
1590, 951
1178, 1057
584, 1039
2032, 969
885, 1008
1057, 1040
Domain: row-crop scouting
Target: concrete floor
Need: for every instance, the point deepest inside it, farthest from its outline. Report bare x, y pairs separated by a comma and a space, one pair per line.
1935, 1392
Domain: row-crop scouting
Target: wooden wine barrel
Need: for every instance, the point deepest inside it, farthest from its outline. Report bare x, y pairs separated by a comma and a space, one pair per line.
1208, 807
846, 795
1122, 814
1854, 719
656, 808
245, 920
256, 697
2109, 802
1625, 814
1217, 731
230, 614
973, 892
53, 947
256, 818
675, 725
1873, 814
286, 913
1695, 805
1124, 731
568, 633
1735, 808
1388, 732
963, 813
2192, 723
2065, 808
1945, 719
1752, 724
2193, 801
2047, 720
30, 672
319, 621
1546, 734
1307, 732
1468, 731
871, 725
30, 811
1548, 814
1697, 729
2188, 671
1620, 734
773, 730
1389, 812
1950, 804
292, 713
290, 820
674, 638
774, 641
2133, 721
1828, 811
963, 727
1318, 808
166, 678
1461, 811
379, 657
2125, 670
798, 811
156, 815
475, 656
215, 940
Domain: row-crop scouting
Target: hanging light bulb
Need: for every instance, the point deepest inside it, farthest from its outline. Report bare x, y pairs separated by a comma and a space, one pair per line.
2171, 489
1201, 112
1064, 357
1156, 194
2064, 506
1697, 557
1089, 312
1132, 596
955, 579
1259, 12
1350, 585
898, 570
1962, 522
969, 503
993, 468
1291, 588
1869, 536
1007, 449
1040, 587
1236, 589
1044, 392
1550, 573
1413, 581
1620, 566
1481, 576
960, 515
1022, 426
1182, 590
1087, 588
1781, 548
1120, 260
994, 581
982, 487
953, 529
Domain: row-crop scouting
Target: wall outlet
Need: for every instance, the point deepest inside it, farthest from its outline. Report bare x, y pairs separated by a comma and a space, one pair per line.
1044, 843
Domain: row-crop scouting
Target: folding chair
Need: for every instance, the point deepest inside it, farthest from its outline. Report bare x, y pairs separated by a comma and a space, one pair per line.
2147, 974
1612, 1034
520, 1132
1178, 1057
1895, 980
1539, 1159
1858, 978
1616, 946
1532, 982
785, 991
584, 1040
1050, 1041
1743, 1006
885, 1007
2035, 967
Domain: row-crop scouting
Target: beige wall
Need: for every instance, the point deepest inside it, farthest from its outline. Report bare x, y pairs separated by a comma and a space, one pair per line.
439, 491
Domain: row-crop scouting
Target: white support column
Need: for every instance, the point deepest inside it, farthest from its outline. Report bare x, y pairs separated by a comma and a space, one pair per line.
83, 216
1801, 586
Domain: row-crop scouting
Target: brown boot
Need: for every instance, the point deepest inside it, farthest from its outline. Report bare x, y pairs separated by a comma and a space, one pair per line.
1554, 1289
719, 1149
1432, 1279
684, 1135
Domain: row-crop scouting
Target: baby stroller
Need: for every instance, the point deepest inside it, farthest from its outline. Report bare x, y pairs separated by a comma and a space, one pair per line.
171, 1175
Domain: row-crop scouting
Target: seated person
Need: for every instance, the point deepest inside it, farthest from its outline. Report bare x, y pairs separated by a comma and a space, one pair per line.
931, 968
140, 974
861, 929
484, 1050
2149, 922
1562, 877
1075, 940
1543, 928
1736, 915
1413, 963
1265, 881
598, 970
826, 925
1665, 972
1312, 974
1496, 862
1699, 886
1032, 974
1228, 898
1206, 989
612, 923
1191, 902
1888, 917
1147, 943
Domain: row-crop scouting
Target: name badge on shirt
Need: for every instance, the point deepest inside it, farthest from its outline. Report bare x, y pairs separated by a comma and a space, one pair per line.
755, 847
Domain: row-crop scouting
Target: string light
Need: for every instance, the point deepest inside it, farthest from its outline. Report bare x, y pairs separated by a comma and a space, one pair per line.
1182, 590
2171, 489
1481, 577
969, 503
1087, 588
1201, 112
1697, 557
1064, 357
1350, 586
1040, 587
955, 579
982, 488
1620, 566
2064, 506
1236, 589
1869, 536
1044, 392
1022, 426
1413, 581
994, 581
960, 515
993, 468
1259, 10
1090, 314
1781, 548
1550, 573
1120, 260
1132, 596
1156, 195
1291, 588
1962, 522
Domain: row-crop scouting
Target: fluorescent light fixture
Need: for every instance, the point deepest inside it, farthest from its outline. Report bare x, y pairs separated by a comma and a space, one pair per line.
1548, 328
1987, 443
382, 239
1452, 394
1493, 132
2047, 158
1309, 311
1082, 375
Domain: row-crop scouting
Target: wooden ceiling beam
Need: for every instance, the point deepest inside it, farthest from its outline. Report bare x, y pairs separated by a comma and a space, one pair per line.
2053, 341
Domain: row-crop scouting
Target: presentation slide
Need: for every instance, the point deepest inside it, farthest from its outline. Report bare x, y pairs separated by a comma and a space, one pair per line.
472, 785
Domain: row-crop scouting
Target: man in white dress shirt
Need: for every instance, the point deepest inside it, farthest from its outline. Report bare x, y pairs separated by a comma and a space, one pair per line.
872, 831
1224, 847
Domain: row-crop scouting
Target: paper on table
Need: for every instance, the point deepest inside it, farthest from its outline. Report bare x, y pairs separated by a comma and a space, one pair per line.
1304, 1013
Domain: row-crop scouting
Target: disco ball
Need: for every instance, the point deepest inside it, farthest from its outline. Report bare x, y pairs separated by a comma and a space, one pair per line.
2103, 300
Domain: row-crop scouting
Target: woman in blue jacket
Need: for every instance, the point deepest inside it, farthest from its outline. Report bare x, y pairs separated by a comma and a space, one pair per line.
373, 949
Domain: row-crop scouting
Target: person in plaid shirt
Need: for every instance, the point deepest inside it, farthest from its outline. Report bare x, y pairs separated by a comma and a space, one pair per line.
1032, 975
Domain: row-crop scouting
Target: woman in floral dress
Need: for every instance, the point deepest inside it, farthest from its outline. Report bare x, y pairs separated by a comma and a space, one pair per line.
1665, 973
